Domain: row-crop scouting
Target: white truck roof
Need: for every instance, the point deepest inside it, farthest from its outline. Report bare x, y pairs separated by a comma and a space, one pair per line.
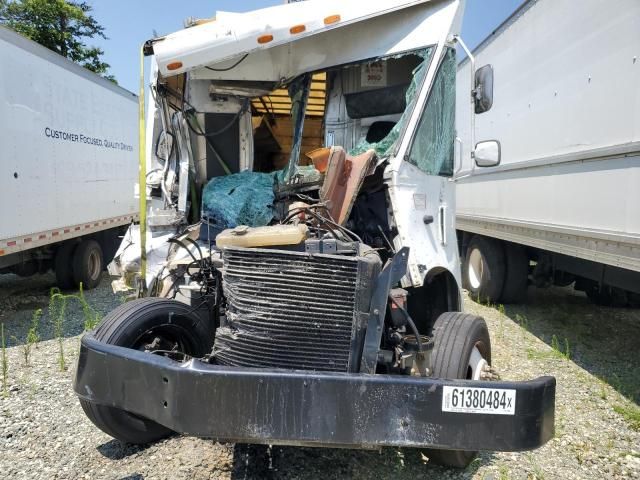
287, 40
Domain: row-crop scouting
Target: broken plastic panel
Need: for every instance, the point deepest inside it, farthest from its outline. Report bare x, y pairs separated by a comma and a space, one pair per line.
384, 147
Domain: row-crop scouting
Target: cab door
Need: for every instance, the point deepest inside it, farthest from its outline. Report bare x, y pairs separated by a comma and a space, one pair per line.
421, 188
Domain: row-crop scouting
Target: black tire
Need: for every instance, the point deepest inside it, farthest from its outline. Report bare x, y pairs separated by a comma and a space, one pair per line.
63, 265
484, 269
129, 326
455, 336
88, 264
516, 279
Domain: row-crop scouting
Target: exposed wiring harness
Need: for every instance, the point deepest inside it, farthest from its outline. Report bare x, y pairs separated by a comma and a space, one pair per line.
226, 69
410, 322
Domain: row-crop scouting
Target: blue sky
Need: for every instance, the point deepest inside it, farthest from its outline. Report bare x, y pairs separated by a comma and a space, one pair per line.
128, 23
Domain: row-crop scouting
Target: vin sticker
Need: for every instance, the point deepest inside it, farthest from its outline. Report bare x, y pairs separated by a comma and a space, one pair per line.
493, 401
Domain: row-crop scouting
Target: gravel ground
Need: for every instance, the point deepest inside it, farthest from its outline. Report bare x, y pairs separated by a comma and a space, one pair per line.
44, 433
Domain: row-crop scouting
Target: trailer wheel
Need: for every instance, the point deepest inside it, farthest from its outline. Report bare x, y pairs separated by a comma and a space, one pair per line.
484, 269
516, 277
63, 265
87, 264
462, 350
145, 324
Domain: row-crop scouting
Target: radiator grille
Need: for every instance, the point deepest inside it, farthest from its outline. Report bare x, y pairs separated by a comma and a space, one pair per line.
289, 309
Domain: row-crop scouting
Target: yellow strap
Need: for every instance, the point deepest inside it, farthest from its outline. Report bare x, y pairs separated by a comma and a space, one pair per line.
143, 179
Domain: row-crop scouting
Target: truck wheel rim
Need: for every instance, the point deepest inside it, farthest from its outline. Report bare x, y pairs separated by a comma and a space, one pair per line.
94, 265
476, 268
477, 365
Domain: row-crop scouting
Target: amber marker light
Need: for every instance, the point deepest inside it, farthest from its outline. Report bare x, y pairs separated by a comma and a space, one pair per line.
297, 29
265, 39
174, 66
331, 19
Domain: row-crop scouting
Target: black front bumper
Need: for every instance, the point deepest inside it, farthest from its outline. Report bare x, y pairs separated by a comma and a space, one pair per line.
307, 408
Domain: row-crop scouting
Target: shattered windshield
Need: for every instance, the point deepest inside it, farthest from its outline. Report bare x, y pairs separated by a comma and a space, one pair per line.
385, 146
432, 150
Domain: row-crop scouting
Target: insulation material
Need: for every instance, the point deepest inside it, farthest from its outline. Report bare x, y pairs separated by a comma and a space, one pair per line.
244, 198
384, 146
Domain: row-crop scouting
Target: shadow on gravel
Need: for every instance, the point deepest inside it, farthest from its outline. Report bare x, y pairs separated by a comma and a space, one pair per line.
602, 340
116, 450
21, 297
133, 476
270, 463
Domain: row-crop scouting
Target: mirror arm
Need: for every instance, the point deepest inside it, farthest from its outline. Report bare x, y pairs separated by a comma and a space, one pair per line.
472, 64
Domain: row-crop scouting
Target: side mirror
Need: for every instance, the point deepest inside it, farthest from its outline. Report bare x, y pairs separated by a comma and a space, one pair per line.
483, 89
487, 154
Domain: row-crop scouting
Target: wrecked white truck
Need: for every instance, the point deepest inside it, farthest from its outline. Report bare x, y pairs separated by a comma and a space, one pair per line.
299, 257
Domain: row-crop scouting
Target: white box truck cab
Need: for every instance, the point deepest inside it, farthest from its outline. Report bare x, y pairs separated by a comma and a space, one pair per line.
301, 259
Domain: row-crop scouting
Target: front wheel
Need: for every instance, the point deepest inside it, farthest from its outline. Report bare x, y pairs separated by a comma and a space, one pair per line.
462, 350
155, 325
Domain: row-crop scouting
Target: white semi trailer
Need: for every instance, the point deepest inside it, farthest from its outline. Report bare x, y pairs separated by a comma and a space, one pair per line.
563, 206
69, 164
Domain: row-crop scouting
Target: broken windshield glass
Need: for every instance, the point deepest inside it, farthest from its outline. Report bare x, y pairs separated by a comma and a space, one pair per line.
432, 150
385, 146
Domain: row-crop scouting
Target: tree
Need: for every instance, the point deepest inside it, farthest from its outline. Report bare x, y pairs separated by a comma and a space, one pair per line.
61, 26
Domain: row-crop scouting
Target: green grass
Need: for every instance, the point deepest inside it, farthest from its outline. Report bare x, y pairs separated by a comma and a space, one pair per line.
5, 364
555, 344
631, 414
503, 472
57, 311
603, 390
33, 336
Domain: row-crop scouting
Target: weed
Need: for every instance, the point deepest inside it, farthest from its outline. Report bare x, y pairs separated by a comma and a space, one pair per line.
501, 328
503, 472
555, 344
603, 390
5, 363
581, 450
501, 309
610, 444
537, 473
524, 324
631, 414
33, 336
57, 309
91, 317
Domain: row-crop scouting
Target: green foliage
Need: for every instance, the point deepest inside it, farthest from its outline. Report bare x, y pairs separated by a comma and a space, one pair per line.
91, 317
555, 344
5, 363
631, 414
33, 336
57, 310
61, 26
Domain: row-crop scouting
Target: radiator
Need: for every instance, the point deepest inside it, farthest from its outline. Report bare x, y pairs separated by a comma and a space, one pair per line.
294, 310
